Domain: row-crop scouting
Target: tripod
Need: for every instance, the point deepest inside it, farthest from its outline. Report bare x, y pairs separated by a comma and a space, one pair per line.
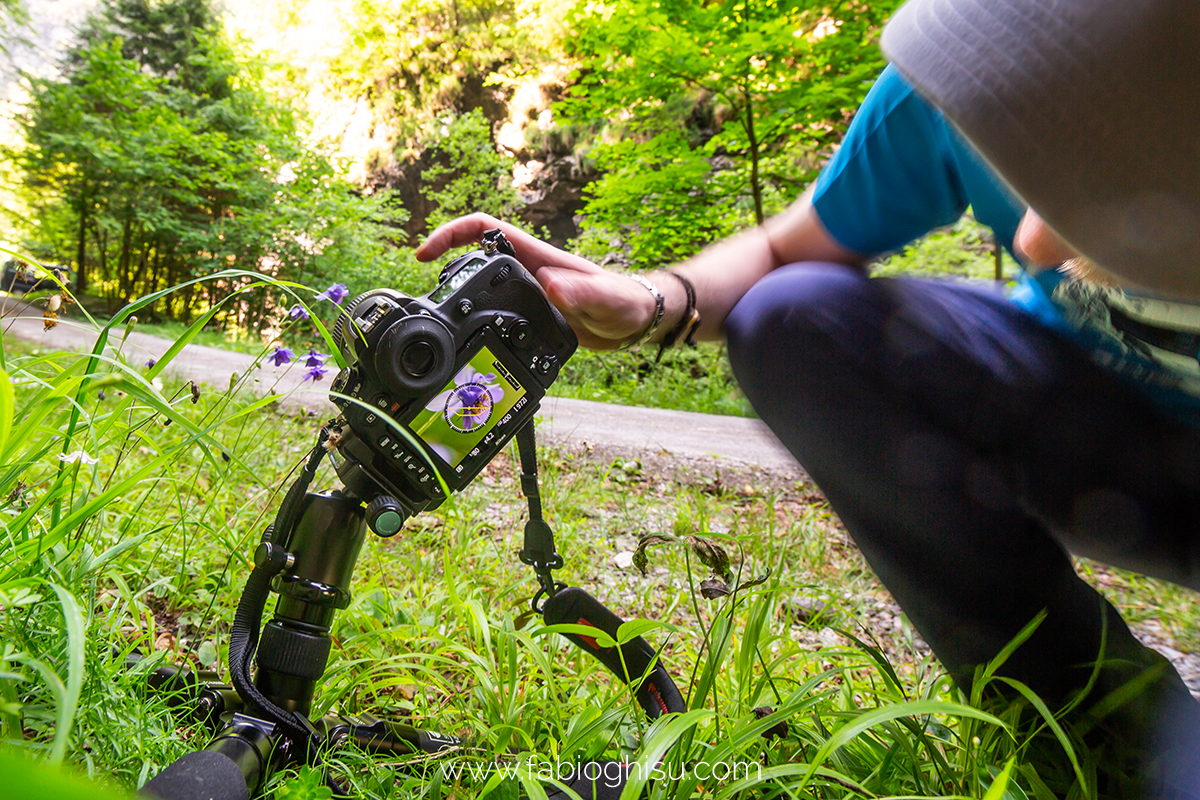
307, 556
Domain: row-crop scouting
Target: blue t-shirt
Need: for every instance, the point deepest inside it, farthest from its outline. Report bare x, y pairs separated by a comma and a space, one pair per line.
902, 171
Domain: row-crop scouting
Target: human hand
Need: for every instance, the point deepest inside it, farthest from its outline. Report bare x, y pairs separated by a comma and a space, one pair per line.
604, 309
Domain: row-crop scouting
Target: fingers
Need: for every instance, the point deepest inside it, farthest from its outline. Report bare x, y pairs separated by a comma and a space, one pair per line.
531, 251
604, 309
458, 233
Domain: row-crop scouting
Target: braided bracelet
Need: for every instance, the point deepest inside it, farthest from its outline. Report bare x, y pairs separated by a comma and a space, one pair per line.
688, 323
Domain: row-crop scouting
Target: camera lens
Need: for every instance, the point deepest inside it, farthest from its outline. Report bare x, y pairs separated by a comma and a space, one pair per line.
414, 355
418, 358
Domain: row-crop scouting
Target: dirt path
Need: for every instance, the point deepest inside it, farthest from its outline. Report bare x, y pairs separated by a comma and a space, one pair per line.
667, 440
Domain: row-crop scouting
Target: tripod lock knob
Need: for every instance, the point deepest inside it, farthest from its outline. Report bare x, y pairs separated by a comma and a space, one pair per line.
385, 515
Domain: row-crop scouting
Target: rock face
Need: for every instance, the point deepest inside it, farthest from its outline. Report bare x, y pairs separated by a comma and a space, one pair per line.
552, 196
549, 176
404, 178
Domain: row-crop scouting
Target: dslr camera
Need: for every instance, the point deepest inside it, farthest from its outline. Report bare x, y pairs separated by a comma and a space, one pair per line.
438, 384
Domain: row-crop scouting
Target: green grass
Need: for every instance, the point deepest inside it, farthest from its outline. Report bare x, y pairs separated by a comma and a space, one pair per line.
687, 379
148, 548
965, 249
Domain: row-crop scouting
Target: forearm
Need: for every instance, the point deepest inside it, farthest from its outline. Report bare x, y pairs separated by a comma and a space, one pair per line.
724, 272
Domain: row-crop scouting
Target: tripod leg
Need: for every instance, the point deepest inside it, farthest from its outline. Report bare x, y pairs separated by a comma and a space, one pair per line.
377, 736
295, 644
233, 766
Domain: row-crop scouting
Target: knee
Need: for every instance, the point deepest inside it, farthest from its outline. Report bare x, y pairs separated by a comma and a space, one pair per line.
785, 314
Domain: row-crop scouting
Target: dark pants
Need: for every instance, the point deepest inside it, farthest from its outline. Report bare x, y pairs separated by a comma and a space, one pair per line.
966, 447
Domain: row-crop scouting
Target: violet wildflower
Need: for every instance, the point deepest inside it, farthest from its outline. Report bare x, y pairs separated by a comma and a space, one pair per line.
150, 364
315, 359
281, 355
469, 404
335, 293
298, 312
315, 373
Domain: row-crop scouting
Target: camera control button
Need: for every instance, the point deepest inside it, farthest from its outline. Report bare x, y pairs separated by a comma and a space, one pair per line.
381, 402
520, 334
498, 322
465, 307
546, 364
370, 419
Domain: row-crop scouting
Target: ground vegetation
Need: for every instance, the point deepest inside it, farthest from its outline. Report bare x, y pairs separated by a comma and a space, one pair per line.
131, 503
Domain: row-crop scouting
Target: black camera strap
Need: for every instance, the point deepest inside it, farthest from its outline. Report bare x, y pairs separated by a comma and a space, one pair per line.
636, 661
538, 551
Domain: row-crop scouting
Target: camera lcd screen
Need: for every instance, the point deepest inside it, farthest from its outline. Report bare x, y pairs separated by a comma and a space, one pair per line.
458, 418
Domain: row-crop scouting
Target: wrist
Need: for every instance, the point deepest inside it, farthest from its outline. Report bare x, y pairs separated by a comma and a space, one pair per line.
655, 310
674, 304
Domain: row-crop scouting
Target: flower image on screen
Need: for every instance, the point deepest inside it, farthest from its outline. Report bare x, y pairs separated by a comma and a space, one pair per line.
458, 417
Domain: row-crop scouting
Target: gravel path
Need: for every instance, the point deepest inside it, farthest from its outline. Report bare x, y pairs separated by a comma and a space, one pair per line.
682, 444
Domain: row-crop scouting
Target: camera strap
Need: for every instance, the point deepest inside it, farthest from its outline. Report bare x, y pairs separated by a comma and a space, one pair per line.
634, 661
538, 551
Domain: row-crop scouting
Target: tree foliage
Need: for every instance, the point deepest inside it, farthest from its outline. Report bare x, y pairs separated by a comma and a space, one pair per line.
660, 200
779, 77
417, 59
157, 157
14, 17
468, 174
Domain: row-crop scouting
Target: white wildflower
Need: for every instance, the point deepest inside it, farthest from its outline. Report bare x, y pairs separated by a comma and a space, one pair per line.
77, 457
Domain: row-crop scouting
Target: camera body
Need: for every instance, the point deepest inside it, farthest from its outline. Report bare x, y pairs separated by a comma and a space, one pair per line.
438, 384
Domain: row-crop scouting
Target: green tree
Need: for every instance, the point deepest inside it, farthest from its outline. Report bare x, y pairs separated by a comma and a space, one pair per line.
468, 173
659, 198
416, 59
167, 160
781, 76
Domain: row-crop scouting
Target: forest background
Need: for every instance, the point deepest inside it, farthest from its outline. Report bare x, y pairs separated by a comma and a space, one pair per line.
318, 142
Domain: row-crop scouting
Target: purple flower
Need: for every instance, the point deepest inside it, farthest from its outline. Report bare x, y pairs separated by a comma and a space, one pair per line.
298, 312
469, 404
315, 373
150, 364
281, 355
336, 293
315, 359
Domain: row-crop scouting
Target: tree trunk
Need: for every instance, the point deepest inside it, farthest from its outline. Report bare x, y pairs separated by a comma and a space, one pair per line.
81, 276
752, 140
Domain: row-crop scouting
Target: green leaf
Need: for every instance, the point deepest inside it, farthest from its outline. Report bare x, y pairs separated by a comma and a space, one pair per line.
76, 630
999, 786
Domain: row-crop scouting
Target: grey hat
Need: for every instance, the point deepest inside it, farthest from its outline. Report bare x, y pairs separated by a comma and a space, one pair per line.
1090, 109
